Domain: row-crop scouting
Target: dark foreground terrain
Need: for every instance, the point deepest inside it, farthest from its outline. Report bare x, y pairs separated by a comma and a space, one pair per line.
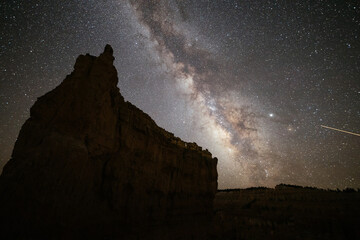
287, 212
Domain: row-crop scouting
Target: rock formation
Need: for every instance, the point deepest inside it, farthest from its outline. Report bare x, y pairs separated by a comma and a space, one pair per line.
88, 164
287, 212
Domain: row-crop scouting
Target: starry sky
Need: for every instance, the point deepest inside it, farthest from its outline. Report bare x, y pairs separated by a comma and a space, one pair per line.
252, 81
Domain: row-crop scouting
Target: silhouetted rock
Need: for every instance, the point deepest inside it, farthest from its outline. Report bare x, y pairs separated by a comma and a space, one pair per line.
88, 164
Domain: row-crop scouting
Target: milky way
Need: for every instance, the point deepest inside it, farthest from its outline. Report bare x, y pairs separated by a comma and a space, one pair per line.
251, 81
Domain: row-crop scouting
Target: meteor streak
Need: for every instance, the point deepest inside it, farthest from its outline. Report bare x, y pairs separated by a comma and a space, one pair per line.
356, 134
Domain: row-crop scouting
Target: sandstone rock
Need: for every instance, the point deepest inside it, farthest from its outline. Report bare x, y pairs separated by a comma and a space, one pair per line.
89, 164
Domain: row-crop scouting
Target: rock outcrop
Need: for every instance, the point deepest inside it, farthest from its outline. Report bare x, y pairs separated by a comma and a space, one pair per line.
88, 164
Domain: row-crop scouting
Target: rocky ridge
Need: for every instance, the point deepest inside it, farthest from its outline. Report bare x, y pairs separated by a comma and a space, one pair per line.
89, 164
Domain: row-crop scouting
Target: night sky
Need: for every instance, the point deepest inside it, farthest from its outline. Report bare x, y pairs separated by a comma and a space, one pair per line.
252, 81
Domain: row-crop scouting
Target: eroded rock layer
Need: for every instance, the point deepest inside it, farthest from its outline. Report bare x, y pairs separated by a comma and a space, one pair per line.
87, 163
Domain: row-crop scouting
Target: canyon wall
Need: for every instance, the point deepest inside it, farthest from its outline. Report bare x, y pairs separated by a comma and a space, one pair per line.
88, 163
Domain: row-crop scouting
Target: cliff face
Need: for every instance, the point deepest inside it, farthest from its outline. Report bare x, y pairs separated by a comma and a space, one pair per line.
87, 161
